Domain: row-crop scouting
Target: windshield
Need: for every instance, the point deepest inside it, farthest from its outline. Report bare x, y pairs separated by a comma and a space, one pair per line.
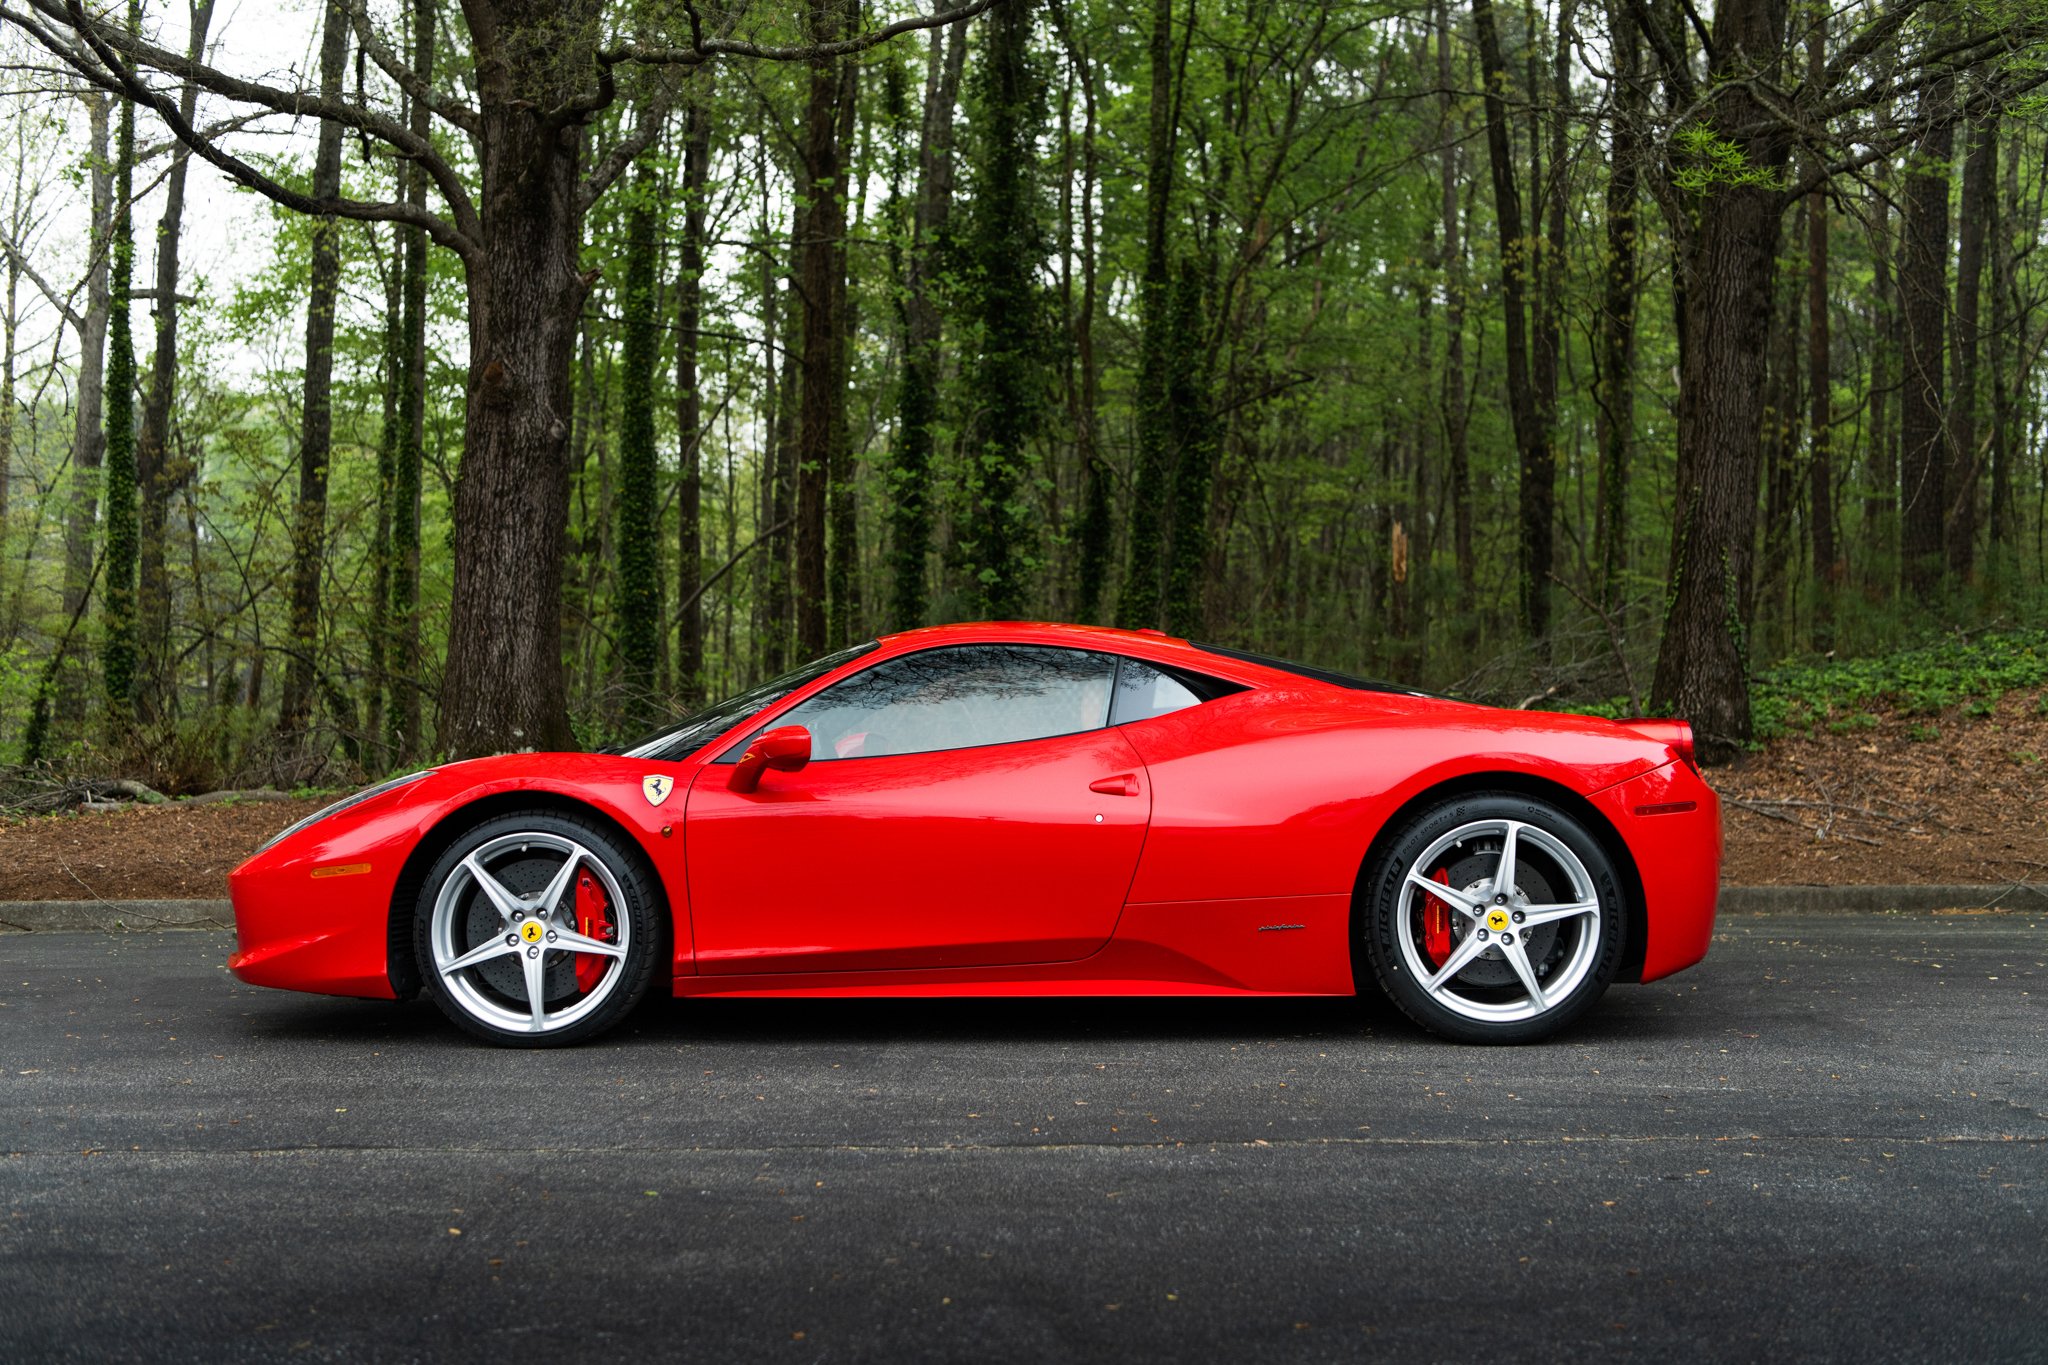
683, 738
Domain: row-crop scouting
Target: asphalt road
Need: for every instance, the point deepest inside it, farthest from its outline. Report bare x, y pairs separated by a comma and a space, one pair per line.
1829, 1141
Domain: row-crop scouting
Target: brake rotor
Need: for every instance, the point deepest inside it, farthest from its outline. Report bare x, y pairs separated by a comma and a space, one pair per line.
524, 873
1474, 873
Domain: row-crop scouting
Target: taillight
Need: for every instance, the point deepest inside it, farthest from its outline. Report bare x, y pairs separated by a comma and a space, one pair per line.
1676, 733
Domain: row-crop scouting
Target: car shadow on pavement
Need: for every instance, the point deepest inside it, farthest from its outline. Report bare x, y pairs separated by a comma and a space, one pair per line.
1625, 1015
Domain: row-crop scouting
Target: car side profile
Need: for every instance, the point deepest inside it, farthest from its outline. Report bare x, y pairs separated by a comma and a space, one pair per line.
1016, 809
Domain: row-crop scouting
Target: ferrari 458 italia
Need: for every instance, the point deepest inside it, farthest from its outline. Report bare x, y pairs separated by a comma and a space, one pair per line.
1022, 810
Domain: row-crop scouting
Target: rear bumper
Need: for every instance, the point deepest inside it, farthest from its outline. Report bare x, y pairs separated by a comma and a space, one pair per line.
1671, 821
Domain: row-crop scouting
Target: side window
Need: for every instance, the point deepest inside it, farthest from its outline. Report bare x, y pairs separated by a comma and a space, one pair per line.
1143, 692
958, 698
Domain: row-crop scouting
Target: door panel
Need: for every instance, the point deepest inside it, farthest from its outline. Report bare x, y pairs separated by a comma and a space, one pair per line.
973, 857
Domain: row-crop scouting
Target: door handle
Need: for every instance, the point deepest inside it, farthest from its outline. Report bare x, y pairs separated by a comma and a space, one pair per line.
1123, 784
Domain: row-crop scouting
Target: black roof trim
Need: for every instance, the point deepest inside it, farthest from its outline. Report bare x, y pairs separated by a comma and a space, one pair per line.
1325, 675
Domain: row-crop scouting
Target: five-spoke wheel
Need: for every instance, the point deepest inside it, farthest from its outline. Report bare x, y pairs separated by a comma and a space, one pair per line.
536, 929
1494, 918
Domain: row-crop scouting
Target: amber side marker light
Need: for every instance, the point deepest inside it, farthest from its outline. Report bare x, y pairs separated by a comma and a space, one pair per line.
1662, 808
342, 870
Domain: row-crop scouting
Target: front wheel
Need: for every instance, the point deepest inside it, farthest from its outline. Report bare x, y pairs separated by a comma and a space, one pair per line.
537, 929
1494, 918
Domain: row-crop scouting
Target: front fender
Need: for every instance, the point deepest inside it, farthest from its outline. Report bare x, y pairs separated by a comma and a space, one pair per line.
313, 912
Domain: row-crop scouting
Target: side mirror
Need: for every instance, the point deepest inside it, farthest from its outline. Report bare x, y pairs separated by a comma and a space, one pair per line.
786, 749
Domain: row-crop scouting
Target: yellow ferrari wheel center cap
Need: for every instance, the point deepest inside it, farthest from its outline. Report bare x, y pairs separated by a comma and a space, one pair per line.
532, 931
1496, 919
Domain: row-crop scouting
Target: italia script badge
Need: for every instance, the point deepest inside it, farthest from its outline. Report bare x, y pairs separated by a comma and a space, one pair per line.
656, 788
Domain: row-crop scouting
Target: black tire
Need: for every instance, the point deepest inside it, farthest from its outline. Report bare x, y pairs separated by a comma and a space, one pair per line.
523, 854
1572, 955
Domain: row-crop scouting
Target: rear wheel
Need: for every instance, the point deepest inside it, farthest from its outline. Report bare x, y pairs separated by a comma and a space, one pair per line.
537, 929
1495, 918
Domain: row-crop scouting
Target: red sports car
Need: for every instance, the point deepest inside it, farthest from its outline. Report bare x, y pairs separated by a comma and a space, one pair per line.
1013, 809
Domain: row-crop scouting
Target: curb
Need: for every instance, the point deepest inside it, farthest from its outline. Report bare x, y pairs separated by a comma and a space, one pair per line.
114, 917
1763, 900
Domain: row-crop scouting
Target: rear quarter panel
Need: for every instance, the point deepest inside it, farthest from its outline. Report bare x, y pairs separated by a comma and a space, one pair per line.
1279, 793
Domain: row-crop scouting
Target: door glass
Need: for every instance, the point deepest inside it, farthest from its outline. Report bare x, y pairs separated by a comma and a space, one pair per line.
1143, 692
957, 698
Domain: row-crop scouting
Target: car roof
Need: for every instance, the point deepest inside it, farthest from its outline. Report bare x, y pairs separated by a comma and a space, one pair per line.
1155, 645
1037, 632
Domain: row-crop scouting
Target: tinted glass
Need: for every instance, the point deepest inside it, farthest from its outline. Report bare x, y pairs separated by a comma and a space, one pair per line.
691, 733
1143, 692
1355, 683
958, 698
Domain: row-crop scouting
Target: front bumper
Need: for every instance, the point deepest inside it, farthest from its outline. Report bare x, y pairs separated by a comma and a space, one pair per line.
313, 912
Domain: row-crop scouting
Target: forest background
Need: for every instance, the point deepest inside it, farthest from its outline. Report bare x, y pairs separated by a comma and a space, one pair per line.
553, 368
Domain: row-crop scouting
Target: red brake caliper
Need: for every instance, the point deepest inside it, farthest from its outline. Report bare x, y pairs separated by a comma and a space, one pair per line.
1436, 923
593, 920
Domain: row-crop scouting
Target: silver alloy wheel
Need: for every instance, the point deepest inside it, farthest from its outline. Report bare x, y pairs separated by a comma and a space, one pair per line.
535, 928
1495, 921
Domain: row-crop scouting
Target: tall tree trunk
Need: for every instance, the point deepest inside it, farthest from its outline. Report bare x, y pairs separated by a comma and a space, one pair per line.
1532, 438
1092, 564
1004, 256
1194, 442
842, 581
1138, 603
910, 520
1539, 480
89, 437
1726, 267
504, 686
1980, 174
1880, 503
157, 473
1923, 287
1765, 599
1617, 411
2005, 212
117, 592
818, 257
406, 722
689, 397
378, 689
10, 319
1456, 427
636, 585
1820, 498
316, 435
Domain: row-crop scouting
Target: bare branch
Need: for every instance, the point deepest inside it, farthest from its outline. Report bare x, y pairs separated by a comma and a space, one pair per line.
104, 68
1675, 69
1870, 40
408, 80
704, 49
653, 115
60, 302
1986, 98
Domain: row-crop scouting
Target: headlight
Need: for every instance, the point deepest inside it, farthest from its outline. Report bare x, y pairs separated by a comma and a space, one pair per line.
338, 807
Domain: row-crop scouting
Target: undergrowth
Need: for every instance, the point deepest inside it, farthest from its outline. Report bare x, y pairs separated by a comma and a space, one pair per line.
1925, 680
1842, 696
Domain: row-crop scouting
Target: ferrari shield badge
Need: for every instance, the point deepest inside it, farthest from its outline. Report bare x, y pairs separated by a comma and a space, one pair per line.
656, 788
